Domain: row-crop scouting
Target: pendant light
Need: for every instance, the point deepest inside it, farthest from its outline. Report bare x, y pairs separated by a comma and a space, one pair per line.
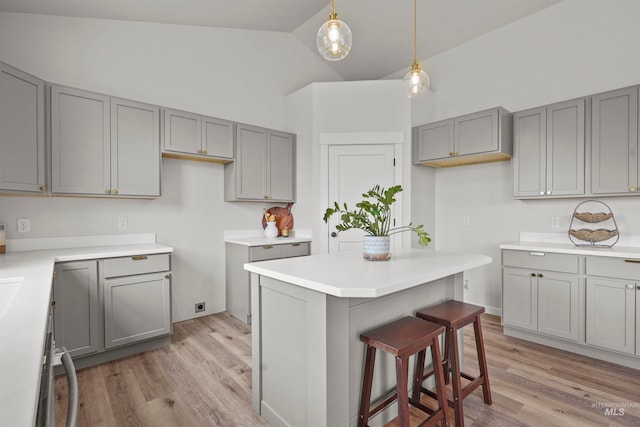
334, 37
417, 80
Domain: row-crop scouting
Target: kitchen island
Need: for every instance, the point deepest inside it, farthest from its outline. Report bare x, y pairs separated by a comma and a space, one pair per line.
308, 314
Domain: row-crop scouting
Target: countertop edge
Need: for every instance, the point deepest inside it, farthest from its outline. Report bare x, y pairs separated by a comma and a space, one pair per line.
614, 252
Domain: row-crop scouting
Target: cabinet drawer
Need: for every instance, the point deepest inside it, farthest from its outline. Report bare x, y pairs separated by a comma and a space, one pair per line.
295, 249
541, 261
614, 267
261, 253
137, 264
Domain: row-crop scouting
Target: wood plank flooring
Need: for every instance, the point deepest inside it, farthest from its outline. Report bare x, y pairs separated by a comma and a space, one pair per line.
204, 379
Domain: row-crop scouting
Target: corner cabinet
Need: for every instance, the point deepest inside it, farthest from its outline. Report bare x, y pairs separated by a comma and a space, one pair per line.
479, 137
549, 150
22, 124
103, 146
195, 137
264, 166
615, 161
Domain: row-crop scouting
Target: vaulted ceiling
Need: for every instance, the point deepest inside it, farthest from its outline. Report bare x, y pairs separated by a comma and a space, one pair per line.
382, 29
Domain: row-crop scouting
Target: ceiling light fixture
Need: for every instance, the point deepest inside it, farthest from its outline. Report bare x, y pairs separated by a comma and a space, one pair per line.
417, 80
334, 37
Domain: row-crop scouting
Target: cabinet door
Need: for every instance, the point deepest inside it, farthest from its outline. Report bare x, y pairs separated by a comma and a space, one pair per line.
476, 133
182, 132
614, 139
558, 304
136, 308
435, 141
637, 319
565, 148
610, 314
217, 138
529, 152
80, 143
75, 291
281, 166
21, 131
250, 163
135, 148
519, 298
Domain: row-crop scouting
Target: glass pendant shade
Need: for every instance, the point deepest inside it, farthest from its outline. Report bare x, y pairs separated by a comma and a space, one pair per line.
417, 81
334, 39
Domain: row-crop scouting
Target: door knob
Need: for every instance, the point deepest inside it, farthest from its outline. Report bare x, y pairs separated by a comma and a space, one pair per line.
334, 234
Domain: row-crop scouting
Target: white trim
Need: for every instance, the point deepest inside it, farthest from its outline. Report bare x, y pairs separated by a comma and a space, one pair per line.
360, 138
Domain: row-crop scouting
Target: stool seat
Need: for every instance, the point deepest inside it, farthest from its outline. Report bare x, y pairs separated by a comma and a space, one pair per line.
402, 339
454, 315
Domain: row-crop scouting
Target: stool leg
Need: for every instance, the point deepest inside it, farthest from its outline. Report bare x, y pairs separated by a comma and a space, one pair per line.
446, 357
455, 377
440, 388
418, 375
482, 361
367, 380
402, 379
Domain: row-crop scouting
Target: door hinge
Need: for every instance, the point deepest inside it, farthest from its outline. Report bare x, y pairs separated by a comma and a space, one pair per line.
394, 222
394, 161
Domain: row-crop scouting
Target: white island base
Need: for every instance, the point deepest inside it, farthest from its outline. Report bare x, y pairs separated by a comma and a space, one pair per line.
308, 314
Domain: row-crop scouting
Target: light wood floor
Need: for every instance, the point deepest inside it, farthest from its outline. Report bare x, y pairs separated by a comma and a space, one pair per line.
204, 379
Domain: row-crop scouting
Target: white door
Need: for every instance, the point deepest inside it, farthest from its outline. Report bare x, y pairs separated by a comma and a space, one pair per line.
354, 170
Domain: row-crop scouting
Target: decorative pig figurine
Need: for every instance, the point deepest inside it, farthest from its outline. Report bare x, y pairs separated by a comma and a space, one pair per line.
284, 219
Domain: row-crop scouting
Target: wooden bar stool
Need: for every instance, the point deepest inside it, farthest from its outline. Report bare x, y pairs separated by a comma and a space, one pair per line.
454, 315
404, 338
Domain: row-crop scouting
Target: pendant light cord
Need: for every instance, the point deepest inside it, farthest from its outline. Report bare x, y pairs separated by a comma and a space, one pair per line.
415, 30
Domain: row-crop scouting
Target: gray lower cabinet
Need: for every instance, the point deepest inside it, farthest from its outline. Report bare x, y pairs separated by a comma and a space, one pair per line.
22, 123
549, 150
540, 293
479, 137
614, 149
102, 305
264, 166
188, 134
77, 313
238, 281
103, 146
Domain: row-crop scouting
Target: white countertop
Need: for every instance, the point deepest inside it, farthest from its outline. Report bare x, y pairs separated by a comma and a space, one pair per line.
564, 248
23, 323
256, 238
348, 275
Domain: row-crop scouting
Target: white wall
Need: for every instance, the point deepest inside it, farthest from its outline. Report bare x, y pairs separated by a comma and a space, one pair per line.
233, 74
575, 48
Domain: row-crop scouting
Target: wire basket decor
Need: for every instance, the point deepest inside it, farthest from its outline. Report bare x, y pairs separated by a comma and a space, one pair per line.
581, 231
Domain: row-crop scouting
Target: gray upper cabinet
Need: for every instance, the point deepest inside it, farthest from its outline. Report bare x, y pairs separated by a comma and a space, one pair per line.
22, 153
479, 137
135, 148
103, 146
189, 135
614, 155
80, 142
264, 166
549, 150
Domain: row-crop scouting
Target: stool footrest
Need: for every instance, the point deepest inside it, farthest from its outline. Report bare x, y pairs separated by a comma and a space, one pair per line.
469, 388
383, 403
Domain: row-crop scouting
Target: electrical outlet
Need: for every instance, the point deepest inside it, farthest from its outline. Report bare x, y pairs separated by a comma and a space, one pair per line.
200, 306
555, 221
24, 225
465, 284
466, 221
123, 223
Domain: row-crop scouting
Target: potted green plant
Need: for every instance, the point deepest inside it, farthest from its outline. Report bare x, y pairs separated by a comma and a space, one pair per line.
373, 216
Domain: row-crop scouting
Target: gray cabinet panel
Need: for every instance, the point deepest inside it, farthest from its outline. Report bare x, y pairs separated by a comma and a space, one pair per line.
637, 319
217, 137
137, 264
619, 268
281, 165
80, 142
22, 154
136, 308
610, 314
529, 152
565, 148
558, 305
435, 140
250, 160
182, 132
615, 142
135, 148
75, 292
519, 298
535, 260
476, 133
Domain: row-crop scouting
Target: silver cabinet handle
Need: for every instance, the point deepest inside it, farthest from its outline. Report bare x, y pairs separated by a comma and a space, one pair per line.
542, 193
549, 192
72, 381
536, 253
